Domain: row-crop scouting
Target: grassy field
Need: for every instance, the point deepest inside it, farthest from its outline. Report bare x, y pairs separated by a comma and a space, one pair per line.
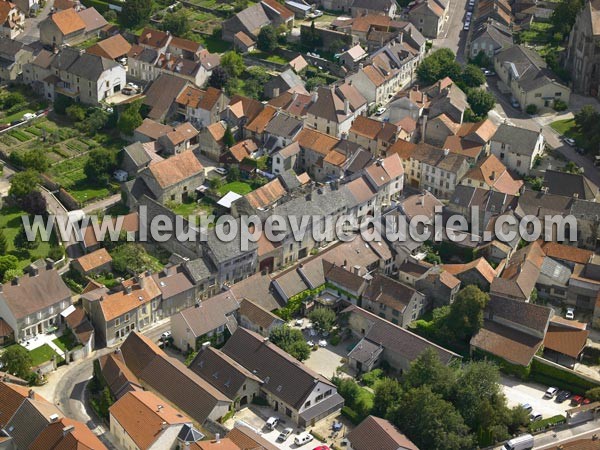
567, 128
215, 45
539, 33
239, 187
10, 222
268, 57
71, 176
42, 354
66, 342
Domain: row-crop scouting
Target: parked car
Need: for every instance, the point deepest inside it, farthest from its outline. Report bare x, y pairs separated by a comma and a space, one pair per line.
488, 72
535, 416
221, 170
563, 396
515, 104
527, 407
322, 447
467, 26
577, 400
120, 175
523, 442
317, 13
580, 150
166, 335
570, 313
569, 141
303, 438
299, 322
127, 91
322, 343
551, 392
597, 160
284, 434
272, 422
380, 111
28, 116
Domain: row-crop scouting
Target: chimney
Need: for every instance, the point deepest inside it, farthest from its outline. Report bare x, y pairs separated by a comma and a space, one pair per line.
315, 96
31, 393
15, 281
128, 289
217, 438
346, 106
34, 271
446, 151
163, 425
275, 92
198, 304
575, 195
66, 430
168, 56
493, 175
356, 269
53, 418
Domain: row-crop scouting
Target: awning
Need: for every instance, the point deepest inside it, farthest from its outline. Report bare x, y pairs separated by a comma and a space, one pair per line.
228, 199
68, 311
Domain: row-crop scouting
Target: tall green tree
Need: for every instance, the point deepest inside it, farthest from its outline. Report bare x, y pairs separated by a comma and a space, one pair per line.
322, 318
472, 76
466, 313
290, 340
481, 101
267, 39
388, 392
7, 262
100, 164
130, 118
23, 183
233, 63
16, 360
177, 23
439, 64
135, 13
564, 15
218, 78
428, 370
228, 138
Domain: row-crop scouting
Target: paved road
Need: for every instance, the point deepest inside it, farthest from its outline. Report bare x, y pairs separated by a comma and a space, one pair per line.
452, 35
102, 205
31, 33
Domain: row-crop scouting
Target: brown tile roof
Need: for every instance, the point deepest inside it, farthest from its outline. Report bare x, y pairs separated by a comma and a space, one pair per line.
197, 98
282, 10
420, 204
222, 444
364, 23
141, 414
260, 122
389, 292
185, 44
241, 106
335, 158
376, 430
79, 437
153, 38
68, 21
360, 190
449, 280
244, 39
243, 149
94, 260
35, 293
567, 252
514, 346
247, 439
266, 195
257, 314
298, 63
119, 378
567, 341
92, 19
181, 133
118, 303
480, 265
521, 273
521, 313
403, 149
494, 174
11, 397
315, 140
579, 444
111, 48
5, 329
176, 169
153, 129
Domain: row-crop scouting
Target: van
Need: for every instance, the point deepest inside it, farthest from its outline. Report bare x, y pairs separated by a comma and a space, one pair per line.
303, 438
523, 442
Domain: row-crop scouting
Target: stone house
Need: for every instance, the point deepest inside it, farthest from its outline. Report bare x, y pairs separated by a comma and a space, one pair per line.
96, 262
201, 107
490, 38
252, 19
14, 55
177, 290
70, 27
210, 140
373, 135
12, 20
428, 16
380, 7
517, 148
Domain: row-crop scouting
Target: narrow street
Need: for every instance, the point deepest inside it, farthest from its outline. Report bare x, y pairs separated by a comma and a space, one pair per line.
31, 33
452, 35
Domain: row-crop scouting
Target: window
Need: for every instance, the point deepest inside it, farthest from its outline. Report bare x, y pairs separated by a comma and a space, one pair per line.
518, 163
558, 94
307, 404
538, 95
395, 312
127, 317
117, 322
502, 155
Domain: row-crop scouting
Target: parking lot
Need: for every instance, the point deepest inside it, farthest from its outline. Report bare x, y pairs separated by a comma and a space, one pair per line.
518, 393
256, 416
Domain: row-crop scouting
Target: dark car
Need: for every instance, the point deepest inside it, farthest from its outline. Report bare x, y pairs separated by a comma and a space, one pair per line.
563, 396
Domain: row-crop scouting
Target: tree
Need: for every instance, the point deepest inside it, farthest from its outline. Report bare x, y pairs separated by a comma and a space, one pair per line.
23, 183
439, 64
387, 394
428, 370
472, 76
132, 258
3, 243
16, 360
11, 274
75, 112
466, 313
290, 340
323, 319
310, 37
12, 99
228, 138
430, 421
564, 15
218, 78
7, 262
97, 120
130, 118
61, 103
234, 174
36, 159
593, 394
21, 240
480, 101
233, 63
99, 165
314, 82
267, 39
177, 23
34, 203
135, 13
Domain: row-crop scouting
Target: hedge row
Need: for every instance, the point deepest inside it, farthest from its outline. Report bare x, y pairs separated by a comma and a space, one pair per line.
351, 415
547, 423
561, 378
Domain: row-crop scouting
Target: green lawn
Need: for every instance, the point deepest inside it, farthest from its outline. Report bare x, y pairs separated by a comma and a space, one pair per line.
15, 116
538, 34
66, 342
215, 45
42, 354
269, 57
567, 128
239, 187
10, 222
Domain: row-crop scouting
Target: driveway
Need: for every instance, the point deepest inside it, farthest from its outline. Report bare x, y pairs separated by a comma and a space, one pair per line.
517, 393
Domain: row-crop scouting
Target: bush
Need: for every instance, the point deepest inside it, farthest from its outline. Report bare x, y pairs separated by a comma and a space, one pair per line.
547, 423
351, 415
560, 105
531, 109
370, 378
335, 340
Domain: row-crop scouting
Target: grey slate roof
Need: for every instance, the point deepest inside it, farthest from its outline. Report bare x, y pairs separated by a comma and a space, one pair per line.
137, 154
521, 140
284, 125
198, 270
496, 31
252, 18
224, 251
569, 184
9, 48
90, 67
531, 70
528, 315
553, 272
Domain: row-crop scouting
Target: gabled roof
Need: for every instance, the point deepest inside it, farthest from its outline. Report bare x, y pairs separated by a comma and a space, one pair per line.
111, 48
92, 19
67, 434
570, 185
316, 141
68, 21
374, 429
281, 10
495, 176
420, 204
197, 98
134, 293
521, 273
209, 314
523, 314
154, 38
567, 252
11, 398
176, 169
247, 439
266, 195
389, 292
117, 375
252, 18
94, 259
568, 341
480, 265
162, 93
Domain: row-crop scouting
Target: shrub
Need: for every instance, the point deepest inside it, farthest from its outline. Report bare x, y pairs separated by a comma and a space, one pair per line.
335, 340
550, 422
531, 109
351, 415
560, 105
562, 378
370, 378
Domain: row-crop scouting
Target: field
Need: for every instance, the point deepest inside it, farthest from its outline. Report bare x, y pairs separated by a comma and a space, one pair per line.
66, 149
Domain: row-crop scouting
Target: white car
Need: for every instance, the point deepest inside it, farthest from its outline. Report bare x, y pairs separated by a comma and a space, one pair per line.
133, 86
317, 13
272, 422
570, 313
467, 25
303, 438
569, 141
166, 335
221, 170
380, 111
535, 416
299, 322
28, 116
322, 343
551, 392
284, 434
310, 343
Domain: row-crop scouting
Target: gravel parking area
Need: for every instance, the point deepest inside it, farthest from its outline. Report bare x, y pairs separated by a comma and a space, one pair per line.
517, 392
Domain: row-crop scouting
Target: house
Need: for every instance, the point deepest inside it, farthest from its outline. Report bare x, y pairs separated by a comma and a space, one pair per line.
111, 368
477, 272
27, 6
428, 16
256, 318
490, 37
114, 47
131, 306
527, 76
439, 286
333, 109
208, 320
498, 10
238, 152
492, 174
175, 179
96, 262
298, 64
90, 241
472, 140
138, 156
441, 170
570, 185
171, 380
256, 128
14, 55
243, 43
565, 341
281, 131
581, 59
177, 290
81, 327
12, 20
210, 140
408, 104
374, 135
31, 304
201, 107
13, 396
512, 330
244, 436
140, 420
375, 429
393, 301
161, 95
226, 375
240, 111
252, 19
520, 274
284, 82
300, 9
66, 433
366, 7
351, 58
446, 111
178, 139
289, 386
70, 27
517, 148
381, 340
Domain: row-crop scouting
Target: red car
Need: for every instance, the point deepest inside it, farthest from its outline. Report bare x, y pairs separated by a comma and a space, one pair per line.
577, 400
321, 447
586, 401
